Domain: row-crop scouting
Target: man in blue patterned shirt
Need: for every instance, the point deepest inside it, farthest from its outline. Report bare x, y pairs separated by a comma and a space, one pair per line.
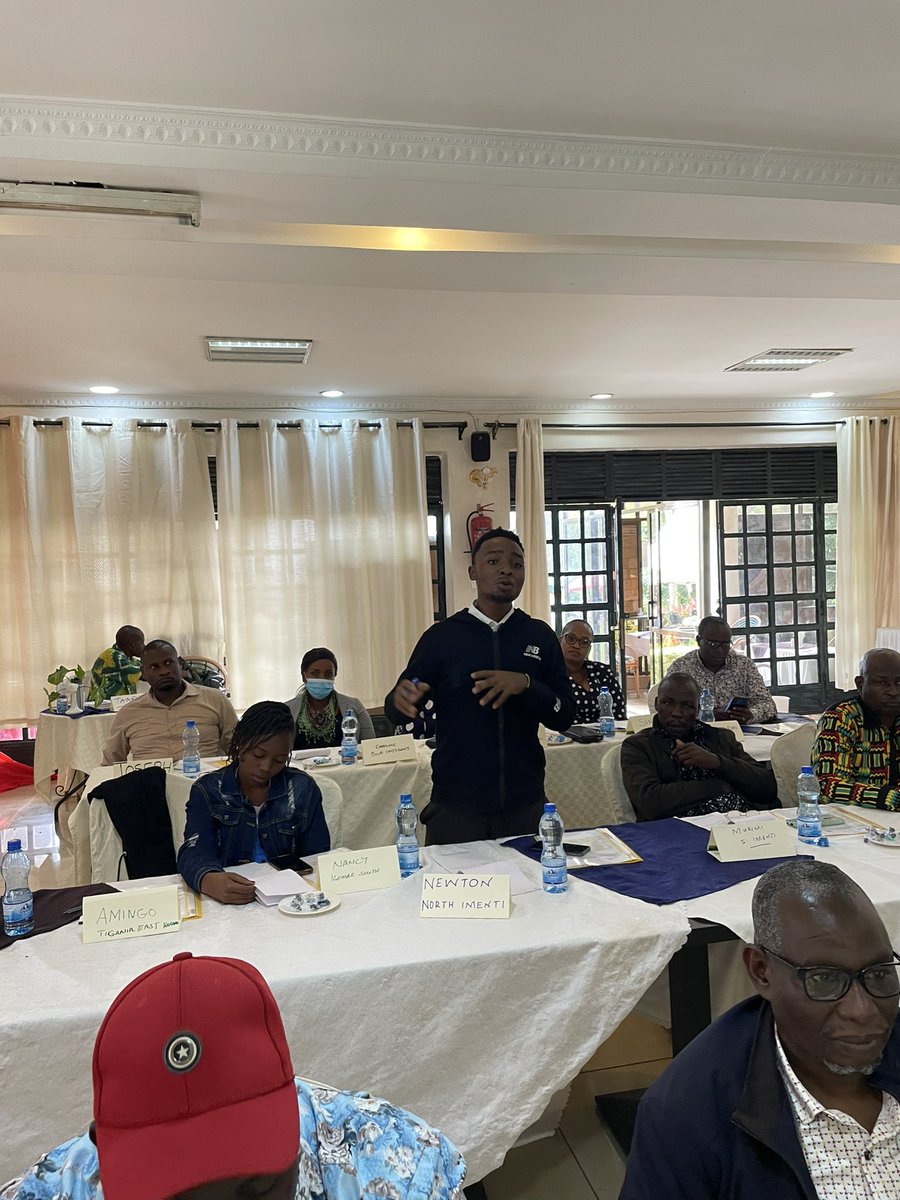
195, 1099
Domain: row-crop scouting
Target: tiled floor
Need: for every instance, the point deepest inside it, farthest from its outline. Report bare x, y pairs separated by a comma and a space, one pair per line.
580, 1162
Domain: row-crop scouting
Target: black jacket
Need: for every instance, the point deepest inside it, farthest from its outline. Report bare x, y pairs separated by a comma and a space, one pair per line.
653, 780
718, 1123
489, 760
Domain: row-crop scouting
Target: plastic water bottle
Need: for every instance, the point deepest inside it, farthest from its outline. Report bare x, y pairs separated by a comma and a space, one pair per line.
809, 817
605, 722
707, 706
553, 856
349, 744
407, 842
190, 763
18, 904
62, 699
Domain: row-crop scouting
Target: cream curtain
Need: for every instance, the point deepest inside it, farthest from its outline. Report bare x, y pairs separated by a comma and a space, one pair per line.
868, 556
530, 522
323, 542
100, 527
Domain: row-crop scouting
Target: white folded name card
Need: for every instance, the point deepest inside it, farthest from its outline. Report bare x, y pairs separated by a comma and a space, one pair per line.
475, 895
359, 870
118, 702
751, 839
128, 768
401, 748
138, 913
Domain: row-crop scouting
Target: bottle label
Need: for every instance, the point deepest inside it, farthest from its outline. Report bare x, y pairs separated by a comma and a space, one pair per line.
555, 876
19, 913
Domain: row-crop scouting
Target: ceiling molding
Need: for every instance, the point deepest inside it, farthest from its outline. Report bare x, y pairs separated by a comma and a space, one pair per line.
598, 161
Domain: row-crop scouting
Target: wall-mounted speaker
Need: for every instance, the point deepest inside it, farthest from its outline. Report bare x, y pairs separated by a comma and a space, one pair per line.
481, 446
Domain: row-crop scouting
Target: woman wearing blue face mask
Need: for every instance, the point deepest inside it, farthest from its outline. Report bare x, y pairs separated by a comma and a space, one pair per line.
318, 709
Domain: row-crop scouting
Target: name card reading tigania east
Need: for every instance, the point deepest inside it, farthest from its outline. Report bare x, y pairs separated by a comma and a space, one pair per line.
467, 896
344, 871
139, 912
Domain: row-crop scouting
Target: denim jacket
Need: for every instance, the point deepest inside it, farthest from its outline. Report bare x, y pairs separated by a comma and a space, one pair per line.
220, 830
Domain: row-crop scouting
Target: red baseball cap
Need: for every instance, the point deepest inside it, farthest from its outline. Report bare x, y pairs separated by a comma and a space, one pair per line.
193, 1081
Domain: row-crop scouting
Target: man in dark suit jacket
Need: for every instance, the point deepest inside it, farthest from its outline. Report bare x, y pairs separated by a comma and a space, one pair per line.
681, 767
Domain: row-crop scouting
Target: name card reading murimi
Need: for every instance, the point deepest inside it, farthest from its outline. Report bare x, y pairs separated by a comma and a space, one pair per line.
401, 748
751, 839
131, 914
475, 895
359, 870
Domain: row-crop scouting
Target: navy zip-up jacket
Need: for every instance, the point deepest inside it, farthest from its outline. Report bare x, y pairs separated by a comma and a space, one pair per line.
220, 830
485, 759
718, 1123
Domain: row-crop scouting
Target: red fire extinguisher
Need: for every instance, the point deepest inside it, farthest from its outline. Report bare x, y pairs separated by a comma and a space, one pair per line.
478, 522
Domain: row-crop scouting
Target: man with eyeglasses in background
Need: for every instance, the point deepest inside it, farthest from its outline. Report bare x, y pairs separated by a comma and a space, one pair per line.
727, 674
793, 1093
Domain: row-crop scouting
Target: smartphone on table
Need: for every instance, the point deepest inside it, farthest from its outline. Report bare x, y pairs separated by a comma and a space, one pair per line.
738, 702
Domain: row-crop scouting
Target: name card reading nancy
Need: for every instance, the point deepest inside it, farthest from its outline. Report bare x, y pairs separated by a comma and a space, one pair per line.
401, 748
128, 768
117, 702
475, 895
359, 870
131, 914
751, 839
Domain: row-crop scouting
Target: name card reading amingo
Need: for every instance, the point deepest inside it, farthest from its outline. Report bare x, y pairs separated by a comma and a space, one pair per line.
359, 870
751, 839
118, 702
475, 895
131, 914
401, 748
128, 768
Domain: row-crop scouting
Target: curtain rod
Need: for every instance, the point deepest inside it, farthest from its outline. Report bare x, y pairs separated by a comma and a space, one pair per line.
495, 425
459, 426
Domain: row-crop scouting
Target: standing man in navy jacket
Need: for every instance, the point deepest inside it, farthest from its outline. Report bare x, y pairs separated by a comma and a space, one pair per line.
495, 674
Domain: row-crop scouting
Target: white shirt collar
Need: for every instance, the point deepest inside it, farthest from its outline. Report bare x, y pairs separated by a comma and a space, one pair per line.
495, 625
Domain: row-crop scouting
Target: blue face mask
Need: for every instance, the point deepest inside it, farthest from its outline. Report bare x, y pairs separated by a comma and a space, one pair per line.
320, 689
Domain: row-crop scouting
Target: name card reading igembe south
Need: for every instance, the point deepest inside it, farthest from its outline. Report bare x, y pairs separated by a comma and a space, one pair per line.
138, 913
475, 895
751, 839
359, 870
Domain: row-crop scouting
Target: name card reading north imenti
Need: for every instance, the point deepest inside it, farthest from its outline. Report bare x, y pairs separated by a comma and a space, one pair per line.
138, 913
751, 839
401, 748
359, 870
475, 895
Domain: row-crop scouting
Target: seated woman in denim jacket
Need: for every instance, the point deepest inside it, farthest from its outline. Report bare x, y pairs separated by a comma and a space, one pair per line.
257, 809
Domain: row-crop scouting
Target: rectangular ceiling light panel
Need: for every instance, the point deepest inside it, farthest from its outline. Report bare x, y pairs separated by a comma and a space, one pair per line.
786, 360
90, 198
276, 350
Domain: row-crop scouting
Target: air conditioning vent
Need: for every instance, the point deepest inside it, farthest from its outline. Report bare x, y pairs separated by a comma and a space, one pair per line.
787, 360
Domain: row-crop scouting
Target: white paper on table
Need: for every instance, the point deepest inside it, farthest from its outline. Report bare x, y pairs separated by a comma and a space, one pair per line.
847, 828
272, 885
604, 850
480, 857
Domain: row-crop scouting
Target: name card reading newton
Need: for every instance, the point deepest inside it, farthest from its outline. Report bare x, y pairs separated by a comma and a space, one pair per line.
401, 748
466, 896
129, 768
138, 913
359, 870
751, 839
118, 702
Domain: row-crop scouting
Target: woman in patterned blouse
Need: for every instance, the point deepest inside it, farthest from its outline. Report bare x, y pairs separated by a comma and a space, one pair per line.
588, 678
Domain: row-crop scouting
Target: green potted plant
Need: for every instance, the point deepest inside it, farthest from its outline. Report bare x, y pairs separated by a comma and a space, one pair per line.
74, 675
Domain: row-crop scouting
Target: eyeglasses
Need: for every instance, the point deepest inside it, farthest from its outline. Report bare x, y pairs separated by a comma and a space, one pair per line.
715, 645
582, 643
833, 983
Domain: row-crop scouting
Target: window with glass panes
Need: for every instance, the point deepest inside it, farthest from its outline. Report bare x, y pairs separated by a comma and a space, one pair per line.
778, 584
580, 571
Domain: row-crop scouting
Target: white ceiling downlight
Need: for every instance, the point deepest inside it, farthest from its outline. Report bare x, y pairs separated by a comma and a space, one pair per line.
787, 360
272, 350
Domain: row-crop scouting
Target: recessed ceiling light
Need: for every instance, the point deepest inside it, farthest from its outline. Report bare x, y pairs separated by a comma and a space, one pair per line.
786, 360
277, 350
602, 396
821, 395
103, 390
331, 393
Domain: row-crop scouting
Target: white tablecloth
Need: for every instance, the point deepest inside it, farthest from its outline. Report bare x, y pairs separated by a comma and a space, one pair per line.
62, 741
474, 1025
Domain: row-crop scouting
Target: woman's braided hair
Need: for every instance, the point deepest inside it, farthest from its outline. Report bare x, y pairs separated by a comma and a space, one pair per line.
259, 722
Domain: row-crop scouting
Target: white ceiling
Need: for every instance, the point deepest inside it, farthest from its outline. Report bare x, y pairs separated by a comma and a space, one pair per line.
648, 260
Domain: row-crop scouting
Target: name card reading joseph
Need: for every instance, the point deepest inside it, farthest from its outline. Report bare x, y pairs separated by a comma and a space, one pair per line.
138, 913
751, 839
475, 895
129, 768
359, 870
401, 748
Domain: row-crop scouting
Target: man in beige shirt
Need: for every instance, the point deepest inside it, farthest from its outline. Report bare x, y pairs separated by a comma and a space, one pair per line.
152, 726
